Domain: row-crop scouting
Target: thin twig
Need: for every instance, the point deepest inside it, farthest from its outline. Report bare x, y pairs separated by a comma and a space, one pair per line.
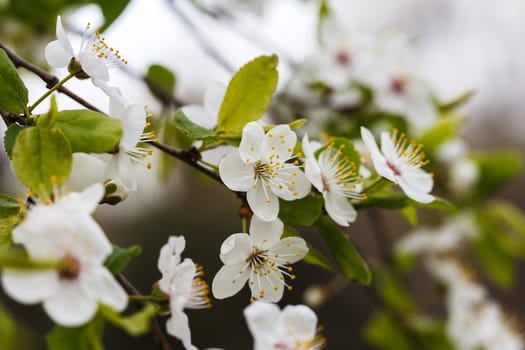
158, 336
206, 45
48, 78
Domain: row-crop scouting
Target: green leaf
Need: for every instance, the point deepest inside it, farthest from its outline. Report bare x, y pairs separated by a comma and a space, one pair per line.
437, 204
189, 128
492, 252
89, 131
457, 102
248, 95
296, 124
410, 213
41, 157
6, 229
13, 93
313, 257
7, 330
9, 206
496, 170
510, 215
301, 212
161, 82
86, 337
136, 324
120, 257
350, 262
10, 137
442, 131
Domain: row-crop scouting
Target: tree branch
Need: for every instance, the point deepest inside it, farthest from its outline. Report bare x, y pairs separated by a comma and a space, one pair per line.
158, 336
48, 78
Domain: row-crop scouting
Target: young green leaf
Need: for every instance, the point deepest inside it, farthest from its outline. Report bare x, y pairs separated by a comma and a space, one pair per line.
13, 93
10, 137
120, 257
9, 206
350, 262
136, 324
496, 170
40, 158
6, 228
248, 95
189, 128
161, 82
89, 131
301, 212
86, 337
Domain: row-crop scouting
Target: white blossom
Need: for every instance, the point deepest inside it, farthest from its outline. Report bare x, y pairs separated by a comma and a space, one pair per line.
264, 168
64, 232
336, 178
94, 56
260, 258
400, 162
182, 282
293, 328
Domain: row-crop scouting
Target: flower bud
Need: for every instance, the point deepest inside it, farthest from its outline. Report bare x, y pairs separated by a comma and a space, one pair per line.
115, 193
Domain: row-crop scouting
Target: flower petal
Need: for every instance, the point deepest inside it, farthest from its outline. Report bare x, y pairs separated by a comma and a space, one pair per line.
95, 67
387, 146
312, 169
229, 280
252, 147
84, 202
267, 285
414, 193
120, 167
30, 287
380, 162
339, 208
417, 178
70, 307
179, 327
260, 317
263, 202
264, 232
213, 98
236, 248
279, 141
293, 183
62, 37
170, 253
297, 322
100, 285
235, 174
56, 55
288, 250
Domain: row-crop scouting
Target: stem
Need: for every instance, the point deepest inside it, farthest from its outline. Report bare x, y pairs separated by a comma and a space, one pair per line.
377, 184
213, 166
50, 91
244, 221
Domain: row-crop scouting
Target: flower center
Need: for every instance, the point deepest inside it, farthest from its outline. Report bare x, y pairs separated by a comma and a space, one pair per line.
339, 174
398, 85
343, 58
393, 168
68, 268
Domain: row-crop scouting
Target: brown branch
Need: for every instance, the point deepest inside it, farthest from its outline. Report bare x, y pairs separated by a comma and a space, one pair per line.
48, 78
158, 336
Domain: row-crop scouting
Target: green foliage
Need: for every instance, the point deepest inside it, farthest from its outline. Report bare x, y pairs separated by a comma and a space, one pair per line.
120, 257
385, 333
301, 212
350, 262
392, 291
9, 206
89, 131
451, 106
161, 82
442, 131
10, 137
496, 170
41, 157
314, 257
136, 324
410, 213
13, 93
248, 95
7, 330
190, 129
86, 337
6, 228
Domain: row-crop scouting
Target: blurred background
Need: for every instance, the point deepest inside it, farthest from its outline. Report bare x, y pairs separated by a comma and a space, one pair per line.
459, 45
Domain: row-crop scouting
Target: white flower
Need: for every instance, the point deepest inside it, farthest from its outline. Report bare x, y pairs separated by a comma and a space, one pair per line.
434, 240
206, 115
94, 57
264, 170
66, 233
400, 162
133, 120
336, 178
261, 258
181, 281
293, 328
